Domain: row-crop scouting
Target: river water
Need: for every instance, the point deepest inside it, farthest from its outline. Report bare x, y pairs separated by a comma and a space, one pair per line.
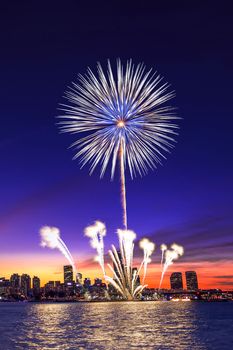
112, 325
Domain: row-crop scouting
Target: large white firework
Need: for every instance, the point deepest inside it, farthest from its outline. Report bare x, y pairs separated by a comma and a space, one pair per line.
123, 116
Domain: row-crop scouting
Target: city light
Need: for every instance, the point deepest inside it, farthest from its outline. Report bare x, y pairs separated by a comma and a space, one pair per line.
19, 288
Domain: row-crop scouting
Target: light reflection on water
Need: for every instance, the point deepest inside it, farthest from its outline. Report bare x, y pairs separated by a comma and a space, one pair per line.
127, 325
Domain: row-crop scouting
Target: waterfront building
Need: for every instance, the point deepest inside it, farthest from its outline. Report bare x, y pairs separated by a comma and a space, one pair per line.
15, 282
60, 288
4, 286
68, 273
49, 286
25, 284
87, 283
79, 278
36, 285
176, 280
97, 282
191, 280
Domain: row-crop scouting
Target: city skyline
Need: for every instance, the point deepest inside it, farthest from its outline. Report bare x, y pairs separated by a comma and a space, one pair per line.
182, 280
188, 200
176, 279
79, 288
116, 191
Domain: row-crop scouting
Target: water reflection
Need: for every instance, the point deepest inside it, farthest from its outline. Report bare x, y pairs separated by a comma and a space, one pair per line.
129, 325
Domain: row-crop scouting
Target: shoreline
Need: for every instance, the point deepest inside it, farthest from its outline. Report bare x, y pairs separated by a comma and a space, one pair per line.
107, 301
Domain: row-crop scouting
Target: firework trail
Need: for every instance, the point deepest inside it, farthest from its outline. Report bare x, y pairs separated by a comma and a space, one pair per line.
170, 255
163, 247
123, 187
96, 233
148, 248
123, 117
50, 237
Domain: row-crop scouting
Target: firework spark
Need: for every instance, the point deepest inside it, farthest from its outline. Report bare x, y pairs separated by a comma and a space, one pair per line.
96, 233
50, 237
148, 248
123, 117
123, 280
163, 247
170, 255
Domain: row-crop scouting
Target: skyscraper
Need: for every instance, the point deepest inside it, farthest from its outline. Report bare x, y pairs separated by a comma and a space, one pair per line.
36, 285
97, 281
4, 285
68, 274
79, 278
15, 282
49, 286
191, 280
25, 284
87, 283
176, 280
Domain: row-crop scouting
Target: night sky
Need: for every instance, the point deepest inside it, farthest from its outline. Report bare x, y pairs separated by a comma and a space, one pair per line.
188, 200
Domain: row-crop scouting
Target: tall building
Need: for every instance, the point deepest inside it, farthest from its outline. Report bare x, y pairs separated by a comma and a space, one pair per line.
4, 285
97, 281
79, 278
191, 280
15, 282
25, 284
176, 280
57, 284
87, 282
68, 273
36, 285
49, 286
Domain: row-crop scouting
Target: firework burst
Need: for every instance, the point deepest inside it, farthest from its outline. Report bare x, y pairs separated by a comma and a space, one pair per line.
123, 117
168, 257
51, 238
124, 278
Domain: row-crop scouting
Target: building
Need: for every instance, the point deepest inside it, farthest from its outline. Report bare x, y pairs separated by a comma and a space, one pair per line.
87, 283
4, 286
15, 282
79, 278
97, 282
57, 284
176, 280
36, 285
25, 284
191, 280
49, 286
68, 273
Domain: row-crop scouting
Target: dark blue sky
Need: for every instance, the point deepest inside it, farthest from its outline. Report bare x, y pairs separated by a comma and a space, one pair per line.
43, 48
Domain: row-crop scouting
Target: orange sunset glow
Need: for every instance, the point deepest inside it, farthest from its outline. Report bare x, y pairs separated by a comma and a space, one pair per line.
49, 267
